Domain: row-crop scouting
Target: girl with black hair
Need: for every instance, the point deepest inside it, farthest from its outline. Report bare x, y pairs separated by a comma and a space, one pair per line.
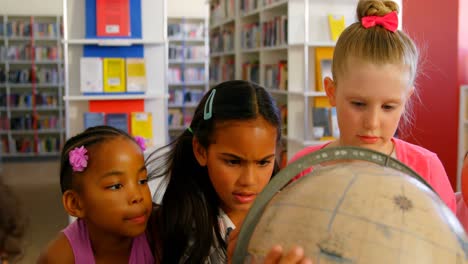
213, 172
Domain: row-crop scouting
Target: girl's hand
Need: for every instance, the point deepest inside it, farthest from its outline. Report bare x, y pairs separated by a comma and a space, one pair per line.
295, 255
275, 256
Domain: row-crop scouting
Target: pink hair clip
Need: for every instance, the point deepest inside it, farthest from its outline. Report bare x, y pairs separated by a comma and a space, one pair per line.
389, 21
141, 142
78, 159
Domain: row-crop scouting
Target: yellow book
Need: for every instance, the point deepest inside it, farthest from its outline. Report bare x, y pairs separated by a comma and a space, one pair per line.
114, 75
337, 25
136, 75
322, 102
323, 66
142, 125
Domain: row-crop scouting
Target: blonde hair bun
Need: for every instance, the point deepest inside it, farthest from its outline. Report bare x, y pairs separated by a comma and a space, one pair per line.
375, 8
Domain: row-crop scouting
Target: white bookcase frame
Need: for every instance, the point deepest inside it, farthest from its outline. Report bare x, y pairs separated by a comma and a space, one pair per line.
154, 40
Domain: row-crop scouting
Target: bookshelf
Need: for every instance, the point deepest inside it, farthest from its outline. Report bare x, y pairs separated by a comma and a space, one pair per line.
275, 43
222, 32
31, 86
462, 131
147, 40
188, 70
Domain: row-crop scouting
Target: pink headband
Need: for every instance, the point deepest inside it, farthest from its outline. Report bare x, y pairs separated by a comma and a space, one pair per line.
389, 21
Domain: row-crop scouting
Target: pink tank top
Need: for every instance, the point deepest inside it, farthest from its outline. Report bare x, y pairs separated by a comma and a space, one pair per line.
77, 235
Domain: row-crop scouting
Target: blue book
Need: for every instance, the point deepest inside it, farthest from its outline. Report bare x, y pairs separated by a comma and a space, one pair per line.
93, 119
118, 120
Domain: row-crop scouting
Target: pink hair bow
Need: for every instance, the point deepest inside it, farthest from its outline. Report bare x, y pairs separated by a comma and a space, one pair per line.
78, 159
141, 142
389, 21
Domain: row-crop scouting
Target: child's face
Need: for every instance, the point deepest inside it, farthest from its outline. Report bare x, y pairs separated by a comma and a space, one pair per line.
114, 192
369, 100
240, 163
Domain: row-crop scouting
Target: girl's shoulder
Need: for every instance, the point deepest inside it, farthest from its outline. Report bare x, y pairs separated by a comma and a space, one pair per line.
57, 251
408, 151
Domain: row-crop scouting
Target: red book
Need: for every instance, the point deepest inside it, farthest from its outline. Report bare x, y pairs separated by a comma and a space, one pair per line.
113, 18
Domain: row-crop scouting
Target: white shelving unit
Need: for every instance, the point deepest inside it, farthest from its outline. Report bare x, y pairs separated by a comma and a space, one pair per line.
188, 69
31, 86
154, 41
307, 29
462, 132
223, 51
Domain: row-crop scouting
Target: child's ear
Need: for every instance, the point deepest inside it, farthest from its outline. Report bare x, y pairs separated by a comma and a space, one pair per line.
199, 151
72, 204
330, 89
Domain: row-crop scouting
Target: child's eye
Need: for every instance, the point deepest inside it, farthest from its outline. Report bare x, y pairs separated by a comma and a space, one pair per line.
358, 104
232, 162
264, 163
115, 186
388, 107
143, 181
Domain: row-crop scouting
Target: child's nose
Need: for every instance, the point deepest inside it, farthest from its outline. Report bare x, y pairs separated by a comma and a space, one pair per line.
248, 175
136, 196
371, 120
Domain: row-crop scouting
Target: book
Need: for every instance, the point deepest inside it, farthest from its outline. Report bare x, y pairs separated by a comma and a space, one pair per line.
113, 18
91, 75
337, 25
141, 124
93, 119
283, 75
323, 66
175, 118
136, 75
118, 120
114, 75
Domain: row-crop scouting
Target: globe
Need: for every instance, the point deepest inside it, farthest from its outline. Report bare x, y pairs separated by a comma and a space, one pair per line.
356, 206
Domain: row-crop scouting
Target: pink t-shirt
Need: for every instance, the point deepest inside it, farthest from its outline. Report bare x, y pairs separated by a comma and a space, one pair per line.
78, 237
421, 160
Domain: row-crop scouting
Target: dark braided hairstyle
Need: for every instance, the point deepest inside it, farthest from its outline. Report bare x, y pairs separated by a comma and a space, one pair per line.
89, 137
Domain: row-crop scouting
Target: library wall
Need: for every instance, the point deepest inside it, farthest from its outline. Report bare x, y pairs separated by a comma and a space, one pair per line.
31, 7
